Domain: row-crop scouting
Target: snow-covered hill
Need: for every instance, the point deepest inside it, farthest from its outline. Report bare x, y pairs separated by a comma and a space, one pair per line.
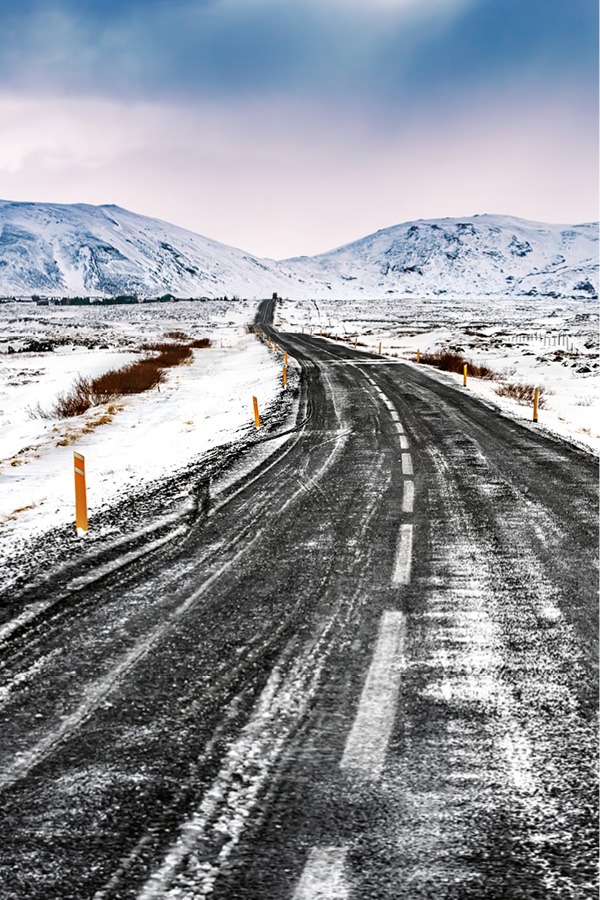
105, 250
477, 256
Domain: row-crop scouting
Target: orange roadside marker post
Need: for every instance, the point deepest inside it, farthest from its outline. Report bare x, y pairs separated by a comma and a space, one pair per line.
536, 402
274, 347
81, 516
269, 342
355, 342
285, 376
256, 415
380, 348
285, 358
418, 356
465, 375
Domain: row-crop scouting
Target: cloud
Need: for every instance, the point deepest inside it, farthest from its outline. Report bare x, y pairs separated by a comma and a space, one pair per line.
216, 47
384, 59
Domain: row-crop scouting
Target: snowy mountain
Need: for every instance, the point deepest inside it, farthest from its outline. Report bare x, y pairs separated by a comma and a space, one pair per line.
477, 256
105, 250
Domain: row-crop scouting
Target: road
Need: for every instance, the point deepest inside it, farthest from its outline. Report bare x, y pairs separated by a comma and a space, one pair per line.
368, 671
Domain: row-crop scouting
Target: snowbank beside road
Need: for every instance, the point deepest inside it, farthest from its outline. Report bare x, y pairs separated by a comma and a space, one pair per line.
33, 381
531, 341
134, 440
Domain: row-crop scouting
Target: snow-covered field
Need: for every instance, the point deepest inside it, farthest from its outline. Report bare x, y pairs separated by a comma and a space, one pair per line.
208, 403
545, 343
136, 439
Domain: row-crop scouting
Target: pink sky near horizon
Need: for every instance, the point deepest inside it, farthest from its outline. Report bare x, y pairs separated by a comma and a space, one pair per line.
284, 179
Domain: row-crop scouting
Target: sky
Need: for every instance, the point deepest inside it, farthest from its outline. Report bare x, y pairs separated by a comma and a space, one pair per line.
289, 127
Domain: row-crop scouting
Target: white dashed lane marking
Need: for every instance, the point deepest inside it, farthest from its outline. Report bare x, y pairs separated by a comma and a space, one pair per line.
366, 747
403, 561
407, 466
403, 442
323, 877
408, 497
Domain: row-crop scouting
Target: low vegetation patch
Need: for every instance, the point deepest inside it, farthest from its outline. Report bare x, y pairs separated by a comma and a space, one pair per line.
176, 335
450, 361
10, 517
522, 393
134, 378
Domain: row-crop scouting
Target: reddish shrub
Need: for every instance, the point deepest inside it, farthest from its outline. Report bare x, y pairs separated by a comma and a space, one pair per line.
454, 362
176, 335
74, 402
132, 379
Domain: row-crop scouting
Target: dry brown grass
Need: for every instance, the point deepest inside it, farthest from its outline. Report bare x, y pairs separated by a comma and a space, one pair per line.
522, 393
455, 362
101, 420
21, 509
70, 437
103, 417
10, 517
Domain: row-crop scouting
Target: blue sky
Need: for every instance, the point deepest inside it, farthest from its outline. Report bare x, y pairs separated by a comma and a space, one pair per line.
291, 126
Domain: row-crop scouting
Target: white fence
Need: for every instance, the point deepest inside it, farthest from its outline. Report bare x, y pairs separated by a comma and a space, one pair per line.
546, 340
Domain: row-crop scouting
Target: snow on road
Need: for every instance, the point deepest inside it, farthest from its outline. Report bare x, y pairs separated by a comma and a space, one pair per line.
539, 341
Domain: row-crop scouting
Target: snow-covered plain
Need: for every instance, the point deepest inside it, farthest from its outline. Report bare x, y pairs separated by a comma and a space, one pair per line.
131, 441
545, 343
140, 439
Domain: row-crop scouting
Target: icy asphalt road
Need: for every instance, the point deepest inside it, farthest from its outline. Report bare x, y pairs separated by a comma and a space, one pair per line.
370, 673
